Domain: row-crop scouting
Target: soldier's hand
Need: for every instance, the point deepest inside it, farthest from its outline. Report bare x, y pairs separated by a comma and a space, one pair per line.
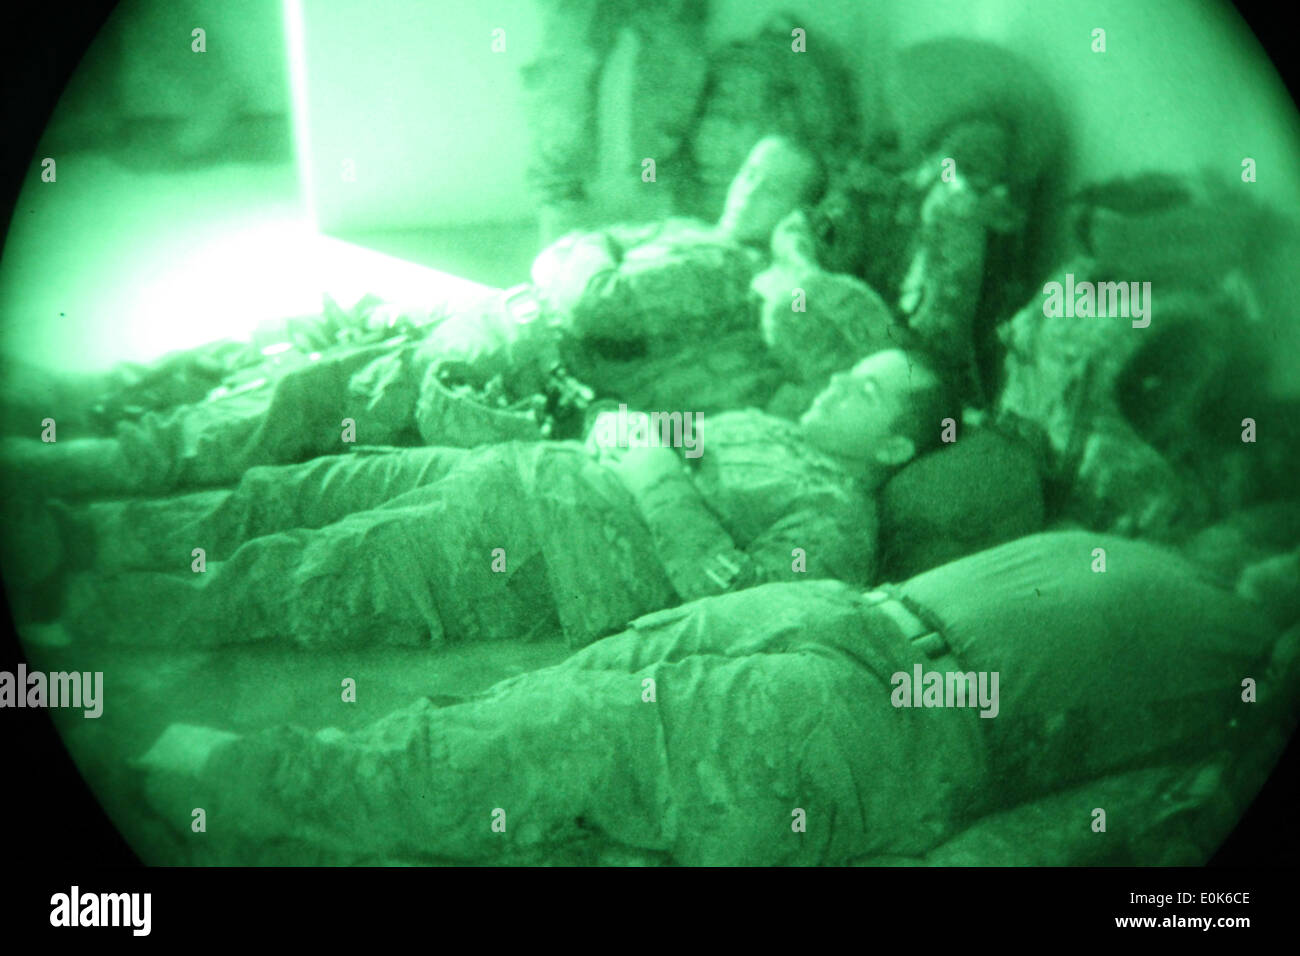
643, 468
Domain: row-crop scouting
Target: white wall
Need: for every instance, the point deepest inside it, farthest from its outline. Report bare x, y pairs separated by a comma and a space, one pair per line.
412, 93
1182, 82
245, 53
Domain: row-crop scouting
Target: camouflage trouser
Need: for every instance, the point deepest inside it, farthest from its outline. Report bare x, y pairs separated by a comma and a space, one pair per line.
562, 84
284, 420
706, 732
157, 534
292, 559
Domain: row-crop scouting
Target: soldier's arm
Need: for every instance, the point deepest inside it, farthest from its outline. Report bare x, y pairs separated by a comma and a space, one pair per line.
817, 542
698, 554
625, 283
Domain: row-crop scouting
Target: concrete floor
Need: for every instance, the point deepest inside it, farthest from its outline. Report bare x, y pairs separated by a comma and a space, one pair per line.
110, 263
244, 689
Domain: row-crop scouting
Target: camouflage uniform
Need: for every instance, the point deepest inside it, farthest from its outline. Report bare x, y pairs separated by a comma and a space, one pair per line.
1062, 376
670, 316
840, 319
773, 698
948, 245
562, 84
757, 494
942, 293
281, 413
1140, 428
760, 87
697, 113
768, 699
393, 548
665, 321
397, 547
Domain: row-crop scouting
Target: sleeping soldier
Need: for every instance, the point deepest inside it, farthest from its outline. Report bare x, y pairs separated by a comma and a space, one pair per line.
422, 546
703, 734
674, 309
670, 315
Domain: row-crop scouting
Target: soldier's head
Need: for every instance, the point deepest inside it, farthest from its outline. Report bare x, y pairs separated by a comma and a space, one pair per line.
880, 415
750, 94
776, 178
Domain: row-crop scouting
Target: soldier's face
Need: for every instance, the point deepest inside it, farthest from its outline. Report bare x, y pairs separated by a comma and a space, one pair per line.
860, 410
770, 185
